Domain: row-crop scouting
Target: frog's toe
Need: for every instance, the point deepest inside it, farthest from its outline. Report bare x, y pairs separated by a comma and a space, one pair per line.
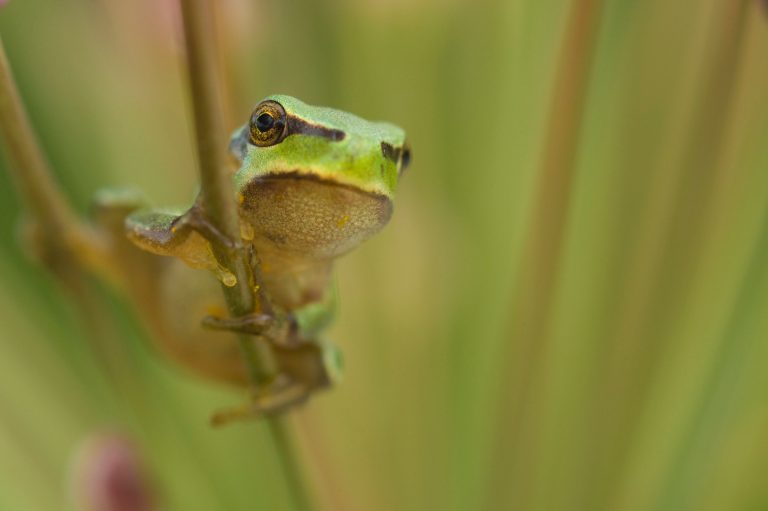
170, 233
196, 219
155, 231
252, 324
268, 400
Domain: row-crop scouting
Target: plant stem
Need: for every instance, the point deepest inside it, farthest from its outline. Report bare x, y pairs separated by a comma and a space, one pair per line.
29, 168
534, 294
217, 199
289, 457
218, 203
56, 232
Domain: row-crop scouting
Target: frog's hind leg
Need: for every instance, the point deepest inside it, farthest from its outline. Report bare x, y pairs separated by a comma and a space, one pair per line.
266, 401
312, 367
106, 250
101, 245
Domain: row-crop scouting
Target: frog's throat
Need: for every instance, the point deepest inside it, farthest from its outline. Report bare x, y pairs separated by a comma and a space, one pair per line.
311, 216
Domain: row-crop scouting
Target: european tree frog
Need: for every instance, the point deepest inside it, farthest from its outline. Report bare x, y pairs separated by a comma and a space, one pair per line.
313, 183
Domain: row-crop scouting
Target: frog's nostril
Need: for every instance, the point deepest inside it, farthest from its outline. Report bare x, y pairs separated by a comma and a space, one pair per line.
390, 152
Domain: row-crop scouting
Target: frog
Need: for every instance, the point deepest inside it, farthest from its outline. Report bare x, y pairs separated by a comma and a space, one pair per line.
311, 184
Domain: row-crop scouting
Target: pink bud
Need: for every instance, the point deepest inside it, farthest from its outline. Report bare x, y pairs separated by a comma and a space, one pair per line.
108, 476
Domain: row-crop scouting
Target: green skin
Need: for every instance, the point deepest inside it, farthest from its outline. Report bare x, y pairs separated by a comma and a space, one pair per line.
306, 197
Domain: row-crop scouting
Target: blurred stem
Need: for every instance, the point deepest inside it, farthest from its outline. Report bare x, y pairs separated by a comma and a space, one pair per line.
218, 203
56, 233
289, 458
543, 244
29, 168
534, 293
691, 198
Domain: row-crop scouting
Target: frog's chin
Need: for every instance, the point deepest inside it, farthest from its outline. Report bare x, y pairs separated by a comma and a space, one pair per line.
310, 216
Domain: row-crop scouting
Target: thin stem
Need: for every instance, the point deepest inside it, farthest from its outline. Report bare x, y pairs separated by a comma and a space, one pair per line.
217, 199
288, 455
218, 202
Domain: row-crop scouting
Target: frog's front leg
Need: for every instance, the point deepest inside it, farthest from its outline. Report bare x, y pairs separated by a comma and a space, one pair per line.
191, 237
250, 324
278, 328
196, 220
267, 400
188, 235
286, 329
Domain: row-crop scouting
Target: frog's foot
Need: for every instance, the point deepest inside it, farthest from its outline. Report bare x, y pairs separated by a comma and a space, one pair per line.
251, 324
282, 331
266, 401
190, 236
196, 219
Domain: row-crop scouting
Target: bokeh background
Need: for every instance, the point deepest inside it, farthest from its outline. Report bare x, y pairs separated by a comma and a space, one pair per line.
586, 334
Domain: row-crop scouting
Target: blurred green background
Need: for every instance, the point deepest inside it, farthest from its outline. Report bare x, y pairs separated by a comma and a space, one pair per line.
590, 338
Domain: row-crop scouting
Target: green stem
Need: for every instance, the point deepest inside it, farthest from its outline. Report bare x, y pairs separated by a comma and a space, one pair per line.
288, 455
534, 294
218, 202
29, 168
217, 199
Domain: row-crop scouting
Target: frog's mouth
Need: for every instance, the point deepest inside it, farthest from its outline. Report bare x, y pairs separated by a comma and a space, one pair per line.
311, 215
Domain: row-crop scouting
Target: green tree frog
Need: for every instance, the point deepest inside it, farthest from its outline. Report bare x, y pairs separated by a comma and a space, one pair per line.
313, 183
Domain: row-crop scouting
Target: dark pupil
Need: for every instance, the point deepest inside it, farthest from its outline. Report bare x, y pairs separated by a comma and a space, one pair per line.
264, 122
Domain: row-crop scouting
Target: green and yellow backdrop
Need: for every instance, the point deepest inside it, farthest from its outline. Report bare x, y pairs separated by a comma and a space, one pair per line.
568, 311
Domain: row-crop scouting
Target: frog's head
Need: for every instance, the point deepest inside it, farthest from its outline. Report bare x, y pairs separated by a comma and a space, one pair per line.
316, 179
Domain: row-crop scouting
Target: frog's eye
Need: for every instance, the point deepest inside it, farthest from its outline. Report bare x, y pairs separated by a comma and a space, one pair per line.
267, 124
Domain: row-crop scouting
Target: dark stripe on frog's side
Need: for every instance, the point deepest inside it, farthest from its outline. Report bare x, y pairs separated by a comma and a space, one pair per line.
390, 152
298, 126
238, 146
295, 174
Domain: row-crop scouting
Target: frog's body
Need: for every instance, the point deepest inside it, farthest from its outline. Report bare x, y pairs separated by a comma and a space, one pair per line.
301, 224
325, 187
313, 183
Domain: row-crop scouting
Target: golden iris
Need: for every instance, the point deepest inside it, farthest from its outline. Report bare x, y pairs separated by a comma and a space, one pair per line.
268, 123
